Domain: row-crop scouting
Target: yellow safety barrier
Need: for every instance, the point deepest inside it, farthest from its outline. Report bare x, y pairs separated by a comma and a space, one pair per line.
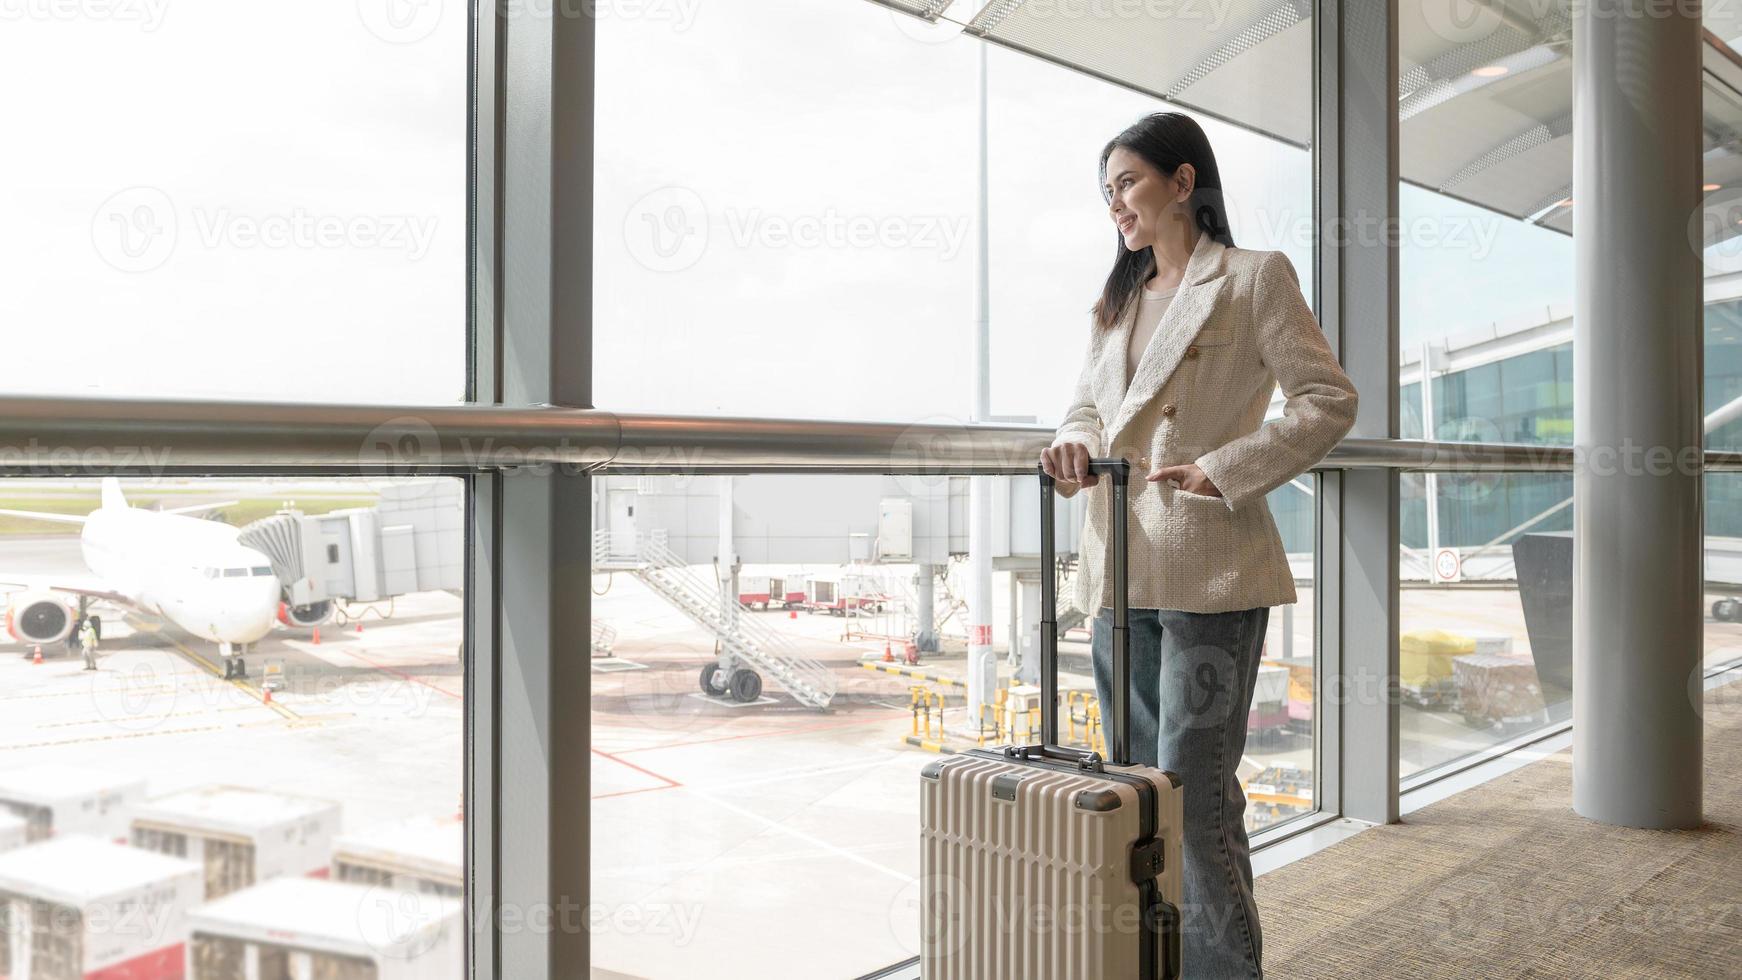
913, 674
1000, 719
921, 699
1071, 720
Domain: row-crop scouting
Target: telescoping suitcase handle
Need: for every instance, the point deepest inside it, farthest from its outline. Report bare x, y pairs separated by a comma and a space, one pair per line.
1118, 471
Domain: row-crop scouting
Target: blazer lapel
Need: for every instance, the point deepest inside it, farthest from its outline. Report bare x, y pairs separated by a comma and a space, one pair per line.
1200, 287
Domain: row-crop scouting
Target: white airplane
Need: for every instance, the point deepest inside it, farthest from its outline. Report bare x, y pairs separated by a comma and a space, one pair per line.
187, 570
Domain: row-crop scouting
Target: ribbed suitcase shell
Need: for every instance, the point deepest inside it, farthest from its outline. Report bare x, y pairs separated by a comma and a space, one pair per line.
1009, 887
1030, 865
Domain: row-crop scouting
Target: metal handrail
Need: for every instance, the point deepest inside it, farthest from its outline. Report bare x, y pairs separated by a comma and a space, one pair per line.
150, 437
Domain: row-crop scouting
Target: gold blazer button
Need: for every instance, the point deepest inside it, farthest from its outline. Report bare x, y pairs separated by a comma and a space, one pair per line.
1192, 351
1167, 409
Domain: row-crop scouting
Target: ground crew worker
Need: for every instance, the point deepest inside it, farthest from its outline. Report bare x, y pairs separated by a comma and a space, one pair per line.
88, 639
75, 644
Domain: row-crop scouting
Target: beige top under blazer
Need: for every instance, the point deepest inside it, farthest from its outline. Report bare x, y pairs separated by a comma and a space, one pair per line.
1237, 328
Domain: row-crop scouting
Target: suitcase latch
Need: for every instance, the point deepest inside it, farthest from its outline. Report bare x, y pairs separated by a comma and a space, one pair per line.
1147, 859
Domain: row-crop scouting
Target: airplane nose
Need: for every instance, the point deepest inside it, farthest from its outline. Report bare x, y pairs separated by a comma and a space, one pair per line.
251, 611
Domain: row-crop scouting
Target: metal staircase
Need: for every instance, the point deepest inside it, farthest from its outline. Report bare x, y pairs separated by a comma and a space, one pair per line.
746, 642
604, 638
1069, 616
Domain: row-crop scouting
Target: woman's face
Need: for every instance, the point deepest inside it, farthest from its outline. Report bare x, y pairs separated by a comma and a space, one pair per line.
1140, 197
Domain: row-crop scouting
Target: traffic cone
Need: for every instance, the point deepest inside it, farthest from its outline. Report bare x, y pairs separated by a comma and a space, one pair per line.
359, 626
317, 639
792, 614
888, 655
37, 657
266, 695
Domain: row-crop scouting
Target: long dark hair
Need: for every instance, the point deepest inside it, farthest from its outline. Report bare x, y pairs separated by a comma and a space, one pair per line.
1165, 140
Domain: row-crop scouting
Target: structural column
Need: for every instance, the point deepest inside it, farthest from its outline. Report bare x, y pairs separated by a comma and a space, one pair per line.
1355, 162
1637, 583
529, 579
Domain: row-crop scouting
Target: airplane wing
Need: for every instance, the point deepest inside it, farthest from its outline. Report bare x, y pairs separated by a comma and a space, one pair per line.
197, 508
44, 516
82, 585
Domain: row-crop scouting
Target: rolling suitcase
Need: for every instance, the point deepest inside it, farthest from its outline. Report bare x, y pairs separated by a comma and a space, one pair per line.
1041, 862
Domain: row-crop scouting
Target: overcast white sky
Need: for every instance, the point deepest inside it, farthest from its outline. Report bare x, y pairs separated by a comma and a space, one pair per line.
229, 197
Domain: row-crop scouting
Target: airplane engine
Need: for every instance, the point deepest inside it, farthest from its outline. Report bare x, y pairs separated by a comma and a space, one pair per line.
313, 614
39, 617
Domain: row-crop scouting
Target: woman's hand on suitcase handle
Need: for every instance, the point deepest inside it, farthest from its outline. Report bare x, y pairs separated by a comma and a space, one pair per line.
1068, 462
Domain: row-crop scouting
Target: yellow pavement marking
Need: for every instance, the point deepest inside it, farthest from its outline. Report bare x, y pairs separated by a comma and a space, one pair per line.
240, 686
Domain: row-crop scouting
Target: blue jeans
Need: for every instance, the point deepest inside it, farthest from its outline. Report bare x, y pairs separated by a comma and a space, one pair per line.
1191, 690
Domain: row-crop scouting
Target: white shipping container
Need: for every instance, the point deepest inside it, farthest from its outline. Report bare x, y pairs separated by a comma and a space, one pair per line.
1271, 685
753, 589
1488, 641
67, 800
305, 927
81, 908
895, 529
12, 830
425, 854
240, 836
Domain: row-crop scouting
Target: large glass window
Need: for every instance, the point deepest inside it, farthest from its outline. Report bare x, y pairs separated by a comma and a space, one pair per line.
253, 751
1485, 323
209, 198
841, 244
818, 232
1485, 651
723, 799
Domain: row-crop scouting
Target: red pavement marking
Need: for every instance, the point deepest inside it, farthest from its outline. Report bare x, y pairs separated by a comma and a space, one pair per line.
669, 782
674, 784
774, 731
401, 674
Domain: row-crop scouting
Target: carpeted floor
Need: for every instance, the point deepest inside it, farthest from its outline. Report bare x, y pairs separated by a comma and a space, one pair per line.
1504, 880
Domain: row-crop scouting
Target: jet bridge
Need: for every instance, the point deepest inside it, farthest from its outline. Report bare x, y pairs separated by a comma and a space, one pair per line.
412, 541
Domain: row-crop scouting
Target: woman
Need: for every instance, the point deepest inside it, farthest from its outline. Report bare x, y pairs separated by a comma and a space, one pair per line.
1188, 340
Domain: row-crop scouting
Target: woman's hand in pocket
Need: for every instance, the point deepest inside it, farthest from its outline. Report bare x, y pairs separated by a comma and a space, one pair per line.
1190, 479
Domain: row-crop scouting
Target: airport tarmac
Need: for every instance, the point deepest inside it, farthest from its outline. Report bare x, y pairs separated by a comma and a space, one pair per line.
372, 721
711, 821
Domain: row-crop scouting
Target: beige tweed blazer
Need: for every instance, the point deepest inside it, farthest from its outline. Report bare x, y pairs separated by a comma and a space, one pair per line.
1237, 327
